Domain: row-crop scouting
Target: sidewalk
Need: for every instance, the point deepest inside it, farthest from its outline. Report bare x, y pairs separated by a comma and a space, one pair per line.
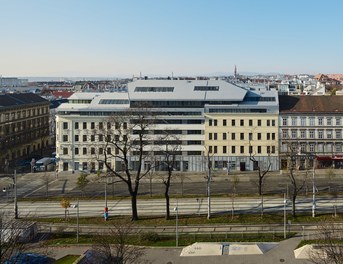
283, 253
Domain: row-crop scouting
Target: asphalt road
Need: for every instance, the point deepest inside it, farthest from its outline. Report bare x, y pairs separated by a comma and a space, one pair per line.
35, 185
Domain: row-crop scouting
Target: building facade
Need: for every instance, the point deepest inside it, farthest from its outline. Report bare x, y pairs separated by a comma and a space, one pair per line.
312, 125
24, 126
190, 110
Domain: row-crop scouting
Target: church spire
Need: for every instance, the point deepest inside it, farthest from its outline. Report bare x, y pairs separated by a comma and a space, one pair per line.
235, 72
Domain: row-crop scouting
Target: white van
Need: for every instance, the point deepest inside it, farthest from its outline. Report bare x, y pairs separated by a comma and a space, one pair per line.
42, 164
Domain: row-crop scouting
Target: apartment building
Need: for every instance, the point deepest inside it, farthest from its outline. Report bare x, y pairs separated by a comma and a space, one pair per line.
188, 110
313, 125
24, 126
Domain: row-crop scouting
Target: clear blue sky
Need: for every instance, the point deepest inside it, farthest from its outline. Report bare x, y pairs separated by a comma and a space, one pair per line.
156, 37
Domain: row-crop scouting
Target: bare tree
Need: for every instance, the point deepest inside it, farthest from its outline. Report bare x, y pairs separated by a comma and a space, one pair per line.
171, 147
331, 250
114, 246
297, 179
234, 181
128, 147
82, 182
12, 239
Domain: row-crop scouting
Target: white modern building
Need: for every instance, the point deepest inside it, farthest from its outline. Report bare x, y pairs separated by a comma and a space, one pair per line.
184, 108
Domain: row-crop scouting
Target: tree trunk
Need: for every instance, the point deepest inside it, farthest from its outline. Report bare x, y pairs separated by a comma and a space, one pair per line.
134, 216
294, 197
166, 195
260, 185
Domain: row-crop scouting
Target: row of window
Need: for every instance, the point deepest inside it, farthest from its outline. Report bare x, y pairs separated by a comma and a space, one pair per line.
311, 121
312, 134
92, 125
313, 147
243, 136
242, 149
242, 122
23, 114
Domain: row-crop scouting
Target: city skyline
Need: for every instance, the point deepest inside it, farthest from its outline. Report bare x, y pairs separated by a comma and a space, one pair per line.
161, 38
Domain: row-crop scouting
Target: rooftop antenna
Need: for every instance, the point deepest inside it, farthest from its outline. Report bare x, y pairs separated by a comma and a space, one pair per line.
172, 76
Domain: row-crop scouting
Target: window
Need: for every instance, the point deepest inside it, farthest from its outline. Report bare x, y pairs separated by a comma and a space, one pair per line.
76, 138
206, 88
338, 134
215, 149
312, 133
233, 149
259, 149
268, 136
320, 121
116, 125
224, 122
273, 149
65, 125
215, 136
338, 147
302, 134
329, 121
215, 122
233, 122
76, 125
224, 149
303, 147
65, 138
273, 122
92, 151
65, 151
320, 134
210, 136
242, 136
329, 134
84, 125
101, 125
108, 138
210, 149
92, 137
259, 122
273, 136
84, 138
84, 151
312, 147
124, 125
268, 149
312, 121
101, 137
241, 122
109, 125
76, 151
294, 133
155, 89
338, 121
303, 121
284, 121
250, 122
259, 136
210, 122
242, 149
250, 149
92, 125
116, 138
294, 121
224, 136
284, 133
250, 136
233, 136
268, 122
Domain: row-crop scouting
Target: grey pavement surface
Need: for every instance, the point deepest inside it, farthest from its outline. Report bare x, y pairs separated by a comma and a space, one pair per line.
283, 253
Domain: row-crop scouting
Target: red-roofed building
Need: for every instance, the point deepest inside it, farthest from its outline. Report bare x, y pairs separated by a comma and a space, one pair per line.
61, 94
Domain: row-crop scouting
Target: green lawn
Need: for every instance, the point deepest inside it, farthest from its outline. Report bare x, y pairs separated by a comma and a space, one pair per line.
69, 259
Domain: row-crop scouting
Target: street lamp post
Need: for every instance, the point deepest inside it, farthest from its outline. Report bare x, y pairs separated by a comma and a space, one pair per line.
284, 216
313, 191
176, 209
209, 186
15, 195
77, 220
